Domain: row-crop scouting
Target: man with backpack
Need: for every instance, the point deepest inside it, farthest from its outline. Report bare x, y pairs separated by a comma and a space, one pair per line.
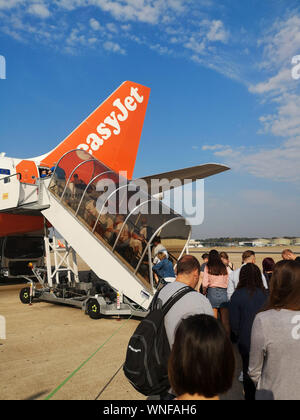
148, 350
188, 272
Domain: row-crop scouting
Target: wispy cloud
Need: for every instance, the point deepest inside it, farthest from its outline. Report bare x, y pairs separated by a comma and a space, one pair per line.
193, 31
279, 92
40, 10
169, 23
95, 24
214, 147
114, 47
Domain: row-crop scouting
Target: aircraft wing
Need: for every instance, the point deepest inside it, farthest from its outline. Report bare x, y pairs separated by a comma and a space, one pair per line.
188, 174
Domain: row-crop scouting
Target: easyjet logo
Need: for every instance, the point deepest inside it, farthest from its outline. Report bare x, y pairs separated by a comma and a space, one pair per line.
112, 124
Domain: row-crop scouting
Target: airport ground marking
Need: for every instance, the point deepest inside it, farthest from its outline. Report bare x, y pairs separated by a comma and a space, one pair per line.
87, 360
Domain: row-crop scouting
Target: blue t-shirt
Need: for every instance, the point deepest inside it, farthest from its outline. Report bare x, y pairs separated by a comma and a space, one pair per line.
164, 269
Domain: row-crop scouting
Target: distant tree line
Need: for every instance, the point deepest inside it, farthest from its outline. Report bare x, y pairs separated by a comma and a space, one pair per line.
234, 240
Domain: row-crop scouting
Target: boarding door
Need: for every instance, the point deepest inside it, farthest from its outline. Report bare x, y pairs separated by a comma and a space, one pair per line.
9, 186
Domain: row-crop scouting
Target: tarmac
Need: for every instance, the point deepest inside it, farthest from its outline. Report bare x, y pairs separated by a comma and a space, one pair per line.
45, 343
60, 353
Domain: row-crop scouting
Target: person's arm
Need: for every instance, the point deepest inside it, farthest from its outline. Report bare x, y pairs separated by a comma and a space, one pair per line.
205, 280
109, 225
230, 287
157, 267
257, 350
264, 280
197, 288
235, 314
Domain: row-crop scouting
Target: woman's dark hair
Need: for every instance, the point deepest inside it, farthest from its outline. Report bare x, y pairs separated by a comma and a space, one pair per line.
202, 359
268, 264
250, 278
285, 286
215, 265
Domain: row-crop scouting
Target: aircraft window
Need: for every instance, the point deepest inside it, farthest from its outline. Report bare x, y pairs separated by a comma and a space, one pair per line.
4, 171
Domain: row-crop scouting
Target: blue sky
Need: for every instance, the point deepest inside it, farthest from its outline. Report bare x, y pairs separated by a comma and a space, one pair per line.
221, 91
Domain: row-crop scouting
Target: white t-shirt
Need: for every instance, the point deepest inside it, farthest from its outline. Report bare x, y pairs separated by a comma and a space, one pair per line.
233, 281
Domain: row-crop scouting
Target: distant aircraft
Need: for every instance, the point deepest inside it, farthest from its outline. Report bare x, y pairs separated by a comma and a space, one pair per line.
109, 138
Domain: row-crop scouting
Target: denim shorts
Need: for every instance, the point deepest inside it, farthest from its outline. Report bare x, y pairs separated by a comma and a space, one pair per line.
217, 297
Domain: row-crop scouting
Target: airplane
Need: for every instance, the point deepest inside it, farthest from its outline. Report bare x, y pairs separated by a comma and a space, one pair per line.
110, 137
111, 134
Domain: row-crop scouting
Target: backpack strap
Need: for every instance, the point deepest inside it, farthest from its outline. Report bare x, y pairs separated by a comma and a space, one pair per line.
175, 298
156, 302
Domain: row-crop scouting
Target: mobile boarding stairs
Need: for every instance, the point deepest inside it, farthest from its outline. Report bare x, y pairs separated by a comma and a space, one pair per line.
129, 284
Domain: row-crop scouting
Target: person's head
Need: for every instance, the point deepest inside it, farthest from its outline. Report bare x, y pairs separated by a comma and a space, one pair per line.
205, 257
92, 192
268, 264
156, 240
144, 220
188, 270
287, 254
202, 360
120, 218
285, 286
250, 278
248, 257
162, 255
224, 257
215, 265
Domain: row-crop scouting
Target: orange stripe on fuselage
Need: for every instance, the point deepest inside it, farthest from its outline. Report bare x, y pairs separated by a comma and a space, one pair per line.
12, 224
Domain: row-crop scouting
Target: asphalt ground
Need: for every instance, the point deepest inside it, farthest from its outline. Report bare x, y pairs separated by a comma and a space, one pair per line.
46, 343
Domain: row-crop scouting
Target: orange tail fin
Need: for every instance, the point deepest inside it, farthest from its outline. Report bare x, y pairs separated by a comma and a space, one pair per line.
112, 132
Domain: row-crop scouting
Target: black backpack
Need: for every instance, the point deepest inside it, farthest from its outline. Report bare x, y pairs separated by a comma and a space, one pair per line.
146, 363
